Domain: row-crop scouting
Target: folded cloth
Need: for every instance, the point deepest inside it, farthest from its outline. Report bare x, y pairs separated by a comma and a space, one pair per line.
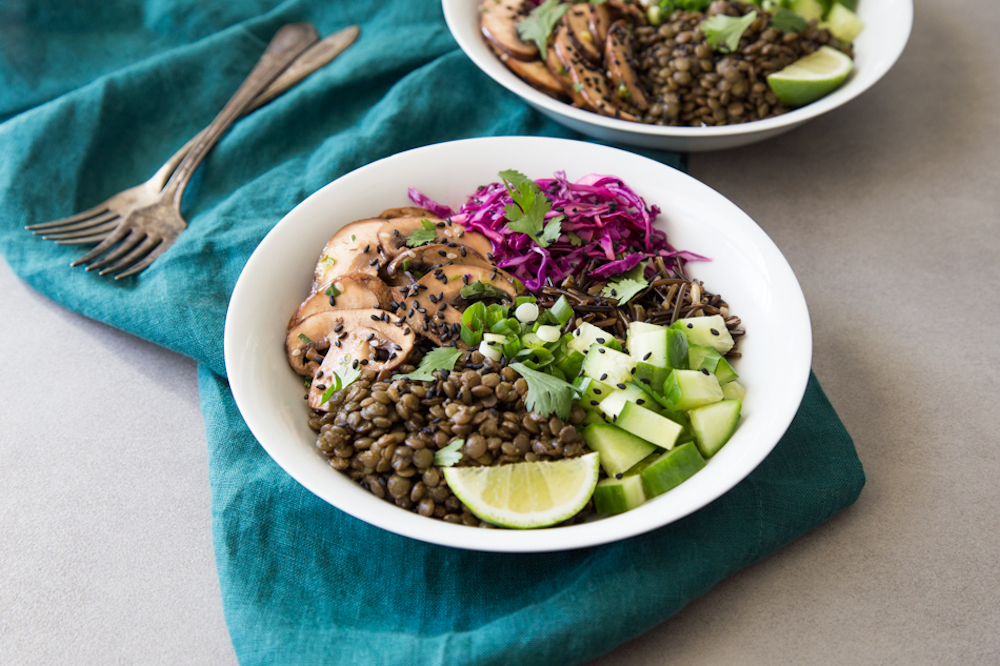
97, 95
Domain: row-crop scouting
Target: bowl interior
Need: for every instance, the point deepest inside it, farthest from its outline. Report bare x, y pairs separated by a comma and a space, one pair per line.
887, 29
747, 269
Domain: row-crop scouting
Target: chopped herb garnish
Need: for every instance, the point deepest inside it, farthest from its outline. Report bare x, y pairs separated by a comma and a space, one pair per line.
422, 236
527, 214
540, 24
481, 289
449, 455
574, 240
546, 395
305, 338
786, 20
627, 286
442, 358
353, 238
332, 291
723, 32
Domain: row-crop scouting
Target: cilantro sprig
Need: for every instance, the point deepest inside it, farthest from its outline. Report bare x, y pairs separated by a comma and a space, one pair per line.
343, 377
426, 234
627, 285
723, 32
480, 289
449, 455
786, 20
546, 395
527, 214
442, 358
540, 24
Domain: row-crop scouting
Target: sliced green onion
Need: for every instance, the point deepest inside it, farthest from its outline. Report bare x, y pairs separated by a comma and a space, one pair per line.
304, 338
521, 300
562, 311
548, 334
332, 291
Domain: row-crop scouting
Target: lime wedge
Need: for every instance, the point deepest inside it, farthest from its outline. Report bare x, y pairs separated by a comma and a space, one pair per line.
529, 494
809, 78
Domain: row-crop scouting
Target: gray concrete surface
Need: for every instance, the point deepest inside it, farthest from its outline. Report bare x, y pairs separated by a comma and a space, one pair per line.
889, 212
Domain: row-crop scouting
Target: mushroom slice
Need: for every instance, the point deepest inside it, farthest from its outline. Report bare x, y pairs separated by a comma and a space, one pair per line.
578, 22
498, 21
621, 64
590, 82
628, 11
433, 306
562, 75
428, 257
358, 291
534, 73
365, 340
346, 253
600, 19
407, 211
392, 235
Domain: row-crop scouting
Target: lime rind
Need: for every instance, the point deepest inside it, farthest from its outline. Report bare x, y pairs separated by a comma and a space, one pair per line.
526, 495
811, 77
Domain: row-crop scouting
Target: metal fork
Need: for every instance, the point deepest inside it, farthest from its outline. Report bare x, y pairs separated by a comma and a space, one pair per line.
93, 225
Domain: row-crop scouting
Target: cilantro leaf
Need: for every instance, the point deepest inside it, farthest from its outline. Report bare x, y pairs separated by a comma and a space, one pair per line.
343, 377
442, 358
546, 395
786, 20
482, 290
550, 234
723, 32
628, 285
422, 236
305, 338
449, 455
540, 23
527, 214
574, 240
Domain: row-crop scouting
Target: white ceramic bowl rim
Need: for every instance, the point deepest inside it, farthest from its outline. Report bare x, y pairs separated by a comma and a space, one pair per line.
749, 267
900, 12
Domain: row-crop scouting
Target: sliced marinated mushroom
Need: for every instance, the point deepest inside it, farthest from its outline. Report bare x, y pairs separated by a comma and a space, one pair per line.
578, 21
364, 339
628, 11
621, 65
600, 20
392, 235
426, 258
353, 249
562, 75
591, 83
498, 21
406, 211
533, 72
433, 306
347, 292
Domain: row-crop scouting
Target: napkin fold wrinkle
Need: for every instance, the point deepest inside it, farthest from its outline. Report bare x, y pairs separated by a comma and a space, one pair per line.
95, 95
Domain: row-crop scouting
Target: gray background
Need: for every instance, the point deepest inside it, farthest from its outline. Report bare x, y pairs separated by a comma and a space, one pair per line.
888, 210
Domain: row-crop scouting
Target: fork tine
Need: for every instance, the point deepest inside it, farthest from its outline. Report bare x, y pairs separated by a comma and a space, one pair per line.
77, 226
84, 240
140, 251
90, 212
115, 236
100, 230
135, 236
144, 263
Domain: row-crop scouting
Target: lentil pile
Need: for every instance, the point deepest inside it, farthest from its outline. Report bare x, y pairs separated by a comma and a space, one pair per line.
695, 85
383, 432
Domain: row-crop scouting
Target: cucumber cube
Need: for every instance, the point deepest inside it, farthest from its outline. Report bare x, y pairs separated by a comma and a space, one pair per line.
593, 416
607, 365
614, 403
714, 424
618, 495
650, 378
687, 389
671, 469
650, 348
807, 9
637, 328
619, 450
733, 391
843, 23
649, 425
594, 391
708, 359
587, 334
706, 332
677, 349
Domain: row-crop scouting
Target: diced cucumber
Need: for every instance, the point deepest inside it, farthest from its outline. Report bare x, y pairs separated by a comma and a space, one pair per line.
650, 378
594, 391
843, 23
709, 359
618, 495
671, 469
650, 348
619, 450
687, 389
649, 425
593, 416
572, 363
607, 365
635, 328
587, 334
706, 332
733, 391
677, 348
714, 424
807, 9
612, 405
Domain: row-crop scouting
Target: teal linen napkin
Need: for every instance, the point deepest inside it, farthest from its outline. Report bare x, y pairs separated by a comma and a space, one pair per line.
95, 94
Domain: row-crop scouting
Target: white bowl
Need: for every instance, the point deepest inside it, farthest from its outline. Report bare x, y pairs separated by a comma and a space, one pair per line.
747, 269
887, 28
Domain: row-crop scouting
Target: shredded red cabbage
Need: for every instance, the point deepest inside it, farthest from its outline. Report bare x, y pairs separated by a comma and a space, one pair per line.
612, 224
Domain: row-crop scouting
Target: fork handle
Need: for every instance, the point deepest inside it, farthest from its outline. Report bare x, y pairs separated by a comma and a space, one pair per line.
288, 43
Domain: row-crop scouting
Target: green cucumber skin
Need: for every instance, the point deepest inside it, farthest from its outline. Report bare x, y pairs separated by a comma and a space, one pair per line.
587, 335
607, 365
614, 496
671, 469
649, 425
687, 389
714, 424
707, 331
677, 348
619, 450
651, 348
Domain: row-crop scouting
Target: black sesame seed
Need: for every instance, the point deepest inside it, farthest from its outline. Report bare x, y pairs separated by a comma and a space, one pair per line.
376, 318
640, 401
367, 247
355, 364
621, 386
600, 350
594, 403
705, 371
645, 381
597, 391
690, 325
646, 357
619, 475
713, 331
600, 341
